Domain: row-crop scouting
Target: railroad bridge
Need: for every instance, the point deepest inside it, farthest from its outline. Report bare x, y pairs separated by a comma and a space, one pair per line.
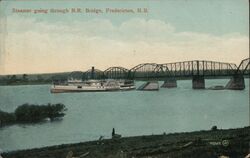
197, 70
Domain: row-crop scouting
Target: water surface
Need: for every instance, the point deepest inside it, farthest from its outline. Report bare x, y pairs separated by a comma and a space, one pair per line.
131, 113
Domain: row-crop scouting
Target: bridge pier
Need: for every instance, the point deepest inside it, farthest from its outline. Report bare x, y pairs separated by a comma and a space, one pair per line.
169, 83
236, 83
149, 86
198, 82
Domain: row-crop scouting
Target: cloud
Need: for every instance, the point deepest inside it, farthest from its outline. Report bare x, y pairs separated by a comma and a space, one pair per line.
33, 46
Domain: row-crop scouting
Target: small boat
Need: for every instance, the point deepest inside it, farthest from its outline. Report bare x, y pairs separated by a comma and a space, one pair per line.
126, 85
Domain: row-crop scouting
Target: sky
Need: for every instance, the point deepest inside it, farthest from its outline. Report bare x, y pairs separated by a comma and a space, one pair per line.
170, 31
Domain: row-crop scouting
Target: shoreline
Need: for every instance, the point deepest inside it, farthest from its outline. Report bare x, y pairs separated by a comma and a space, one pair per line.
27, 84
211, 143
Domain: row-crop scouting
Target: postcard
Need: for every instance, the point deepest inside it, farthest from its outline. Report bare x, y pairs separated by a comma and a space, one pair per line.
124, 79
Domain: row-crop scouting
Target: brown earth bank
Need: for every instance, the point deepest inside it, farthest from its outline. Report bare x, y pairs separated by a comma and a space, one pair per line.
233, 143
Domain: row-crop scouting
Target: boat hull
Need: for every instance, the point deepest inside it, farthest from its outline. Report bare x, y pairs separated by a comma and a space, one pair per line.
65, 89
127, 88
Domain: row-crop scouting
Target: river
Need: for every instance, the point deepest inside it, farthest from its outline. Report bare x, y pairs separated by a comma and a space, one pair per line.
94, 114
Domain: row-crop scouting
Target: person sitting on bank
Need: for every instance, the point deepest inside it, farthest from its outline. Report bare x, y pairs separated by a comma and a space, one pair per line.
115, 136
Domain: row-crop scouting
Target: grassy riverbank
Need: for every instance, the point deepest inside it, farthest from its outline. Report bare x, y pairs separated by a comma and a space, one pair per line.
205, 144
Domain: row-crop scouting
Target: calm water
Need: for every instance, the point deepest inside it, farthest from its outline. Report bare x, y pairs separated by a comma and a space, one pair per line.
91, 115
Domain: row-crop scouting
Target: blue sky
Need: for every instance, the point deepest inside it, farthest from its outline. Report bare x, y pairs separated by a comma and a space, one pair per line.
171, 30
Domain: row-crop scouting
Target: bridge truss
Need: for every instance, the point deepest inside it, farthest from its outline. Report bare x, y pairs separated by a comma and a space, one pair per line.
178, 70
244, 67
116, 73
183, 69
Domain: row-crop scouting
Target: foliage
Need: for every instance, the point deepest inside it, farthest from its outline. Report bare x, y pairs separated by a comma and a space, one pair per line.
214, 128
34, 113
25, 78
6, 118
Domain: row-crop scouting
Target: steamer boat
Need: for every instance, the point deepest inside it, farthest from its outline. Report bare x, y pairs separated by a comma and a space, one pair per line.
92, 86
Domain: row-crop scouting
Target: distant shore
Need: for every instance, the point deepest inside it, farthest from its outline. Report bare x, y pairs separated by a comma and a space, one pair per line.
26, 83
205, 144
32, 79
41, 79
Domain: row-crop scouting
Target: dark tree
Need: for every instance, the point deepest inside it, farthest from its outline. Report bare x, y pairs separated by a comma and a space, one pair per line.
34, 113
214, 128
6, 118
113, 132
25, 77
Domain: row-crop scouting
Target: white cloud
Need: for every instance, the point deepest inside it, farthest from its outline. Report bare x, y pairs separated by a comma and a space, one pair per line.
32, 46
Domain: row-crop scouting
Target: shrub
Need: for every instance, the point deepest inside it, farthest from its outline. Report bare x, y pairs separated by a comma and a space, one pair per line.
214, 128
34, 113
6, 118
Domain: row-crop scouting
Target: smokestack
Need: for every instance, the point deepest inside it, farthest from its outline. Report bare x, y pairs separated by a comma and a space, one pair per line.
92, 72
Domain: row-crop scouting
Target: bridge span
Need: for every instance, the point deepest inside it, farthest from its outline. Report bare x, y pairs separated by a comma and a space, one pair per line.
197, 70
